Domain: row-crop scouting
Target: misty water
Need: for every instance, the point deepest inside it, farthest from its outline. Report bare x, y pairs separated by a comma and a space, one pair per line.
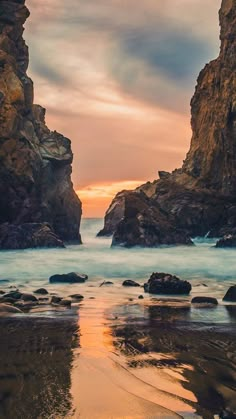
211, 271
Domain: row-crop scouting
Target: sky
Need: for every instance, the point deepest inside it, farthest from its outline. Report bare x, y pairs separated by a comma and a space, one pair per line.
116, 77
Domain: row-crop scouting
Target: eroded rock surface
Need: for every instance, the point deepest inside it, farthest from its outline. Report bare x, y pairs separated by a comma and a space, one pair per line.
199, 198
35, 163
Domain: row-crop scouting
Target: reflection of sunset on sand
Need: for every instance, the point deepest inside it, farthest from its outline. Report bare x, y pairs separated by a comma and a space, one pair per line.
103, 386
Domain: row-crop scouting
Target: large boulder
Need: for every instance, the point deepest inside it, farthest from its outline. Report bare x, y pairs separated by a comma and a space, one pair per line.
71, 278
29, 235
230, 294
167, 284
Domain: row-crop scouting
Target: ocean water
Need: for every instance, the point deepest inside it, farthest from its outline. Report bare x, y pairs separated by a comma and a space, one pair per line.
201, 263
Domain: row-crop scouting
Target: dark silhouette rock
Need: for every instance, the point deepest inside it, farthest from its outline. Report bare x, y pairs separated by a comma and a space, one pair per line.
130, 283
35, 169
227, 241
71, 278
55, 299
230, 294
167, 284
29, 297
199, 198
29, 235
141, 297
77, 297
205, 301
65, 303
16, 295
41, 291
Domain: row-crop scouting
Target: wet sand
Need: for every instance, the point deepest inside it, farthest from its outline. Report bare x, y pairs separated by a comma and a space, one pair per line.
118, 359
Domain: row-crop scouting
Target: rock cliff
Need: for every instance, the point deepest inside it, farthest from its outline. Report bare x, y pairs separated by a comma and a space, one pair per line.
199, 198
35, 163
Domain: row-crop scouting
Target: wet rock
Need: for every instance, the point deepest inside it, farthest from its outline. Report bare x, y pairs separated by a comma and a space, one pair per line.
9, 309
65, 303
71, 278
29, 298
162, 283
130, 283
106, 283
28, 235
41, 291
9, 300
55, 299
2, 292
205, 301
227, 241
16, 295
78, 297
230, 294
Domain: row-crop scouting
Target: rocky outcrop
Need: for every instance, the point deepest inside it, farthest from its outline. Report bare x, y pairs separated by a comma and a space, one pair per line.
26, 236
35, 163
71, 278
199, 198
230, 294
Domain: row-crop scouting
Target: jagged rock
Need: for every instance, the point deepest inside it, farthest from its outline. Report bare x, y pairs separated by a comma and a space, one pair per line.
204, 301
200, 197
230, 294
162, 283
29, 235
130, 283
35, 163
72, 278
227, 241
41, 291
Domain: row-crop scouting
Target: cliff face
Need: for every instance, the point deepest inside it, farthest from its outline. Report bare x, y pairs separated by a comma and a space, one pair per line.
212, 156
35, 163
200, 197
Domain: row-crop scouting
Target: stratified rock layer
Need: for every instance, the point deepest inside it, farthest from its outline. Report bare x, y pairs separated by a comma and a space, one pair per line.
199, 198
35, 163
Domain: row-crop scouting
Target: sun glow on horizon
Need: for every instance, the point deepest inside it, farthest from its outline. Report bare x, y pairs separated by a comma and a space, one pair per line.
97, 197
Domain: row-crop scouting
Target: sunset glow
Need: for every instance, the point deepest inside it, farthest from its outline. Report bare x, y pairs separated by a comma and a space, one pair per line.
117, 79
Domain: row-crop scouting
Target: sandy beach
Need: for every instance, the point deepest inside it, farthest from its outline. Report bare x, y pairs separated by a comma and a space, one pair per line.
130, 359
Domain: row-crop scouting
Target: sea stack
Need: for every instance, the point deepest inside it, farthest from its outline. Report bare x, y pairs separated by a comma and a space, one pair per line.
199, 198
35, 163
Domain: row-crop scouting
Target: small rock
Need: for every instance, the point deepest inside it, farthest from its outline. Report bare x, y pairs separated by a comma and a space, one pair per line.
55, 299
77, 296
141, 297
66, 303
2, 292
16, 295
43, 299
71, 278
131, 299
41, 291
106, 283
28, 297
230, 294
130, 283
205, 301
